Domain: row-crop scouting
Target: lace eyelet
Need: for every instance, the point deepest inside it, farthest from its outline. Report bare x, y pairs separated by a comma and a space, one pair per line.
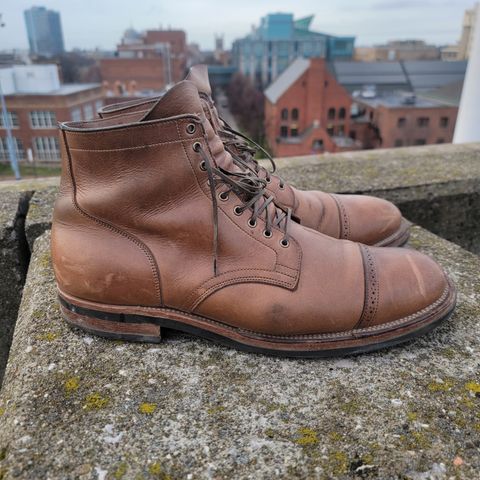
268, 180
196, 146
252, 224
284, 243
237, 210
191, 128
223, 196
282, 186
267, 233
203, 166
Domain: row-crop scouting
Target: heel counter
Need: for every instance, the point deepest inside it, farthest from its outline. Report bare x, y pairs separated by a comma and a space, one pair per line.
93, 260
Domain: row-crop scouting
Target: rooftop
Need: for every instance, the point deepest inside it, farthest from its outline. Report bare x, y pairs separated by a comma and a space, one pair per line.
65, 89
400, 100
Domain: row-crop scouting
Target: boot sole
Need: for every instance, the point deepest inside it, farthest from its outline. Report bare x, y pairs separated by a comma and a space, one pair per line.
399, 238
148, 324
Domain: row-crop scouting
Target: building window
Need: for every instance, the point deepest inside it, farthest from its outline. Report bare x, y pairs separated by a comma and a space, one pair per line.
284, 114
20, 150
444, 122
420, 141
423, 121
331, 113
440, 140
283, 131
98, 105
88, 112
76, 114
317, 144
401, 122
43, 119
46, 148
294, 132
12, 120
341, 113
353, 134
341, 130
398, 143
330, 130
294, 113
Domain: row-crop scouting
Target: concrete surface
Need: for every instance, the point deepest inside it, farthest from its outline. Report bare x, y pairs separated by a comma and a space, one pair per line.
77, 406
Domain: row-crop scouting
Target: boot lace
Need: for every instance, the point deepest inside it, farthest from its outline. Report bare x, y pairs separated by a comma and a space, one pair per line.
247, 148
250, 190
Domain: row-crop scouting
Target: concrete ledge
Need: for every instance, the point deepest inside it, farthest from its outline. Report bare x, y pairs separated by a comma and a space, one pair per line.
437, 187
74, 406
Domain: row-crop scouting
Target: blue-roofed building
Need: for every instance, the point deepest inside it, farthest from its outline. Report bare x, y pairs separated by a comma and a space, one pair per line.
279, 39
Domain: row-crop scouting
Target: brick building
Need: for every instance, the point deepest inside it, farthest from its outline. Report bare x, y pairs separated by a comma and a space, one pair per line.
317, 106
35, 102
307, 111
145, 62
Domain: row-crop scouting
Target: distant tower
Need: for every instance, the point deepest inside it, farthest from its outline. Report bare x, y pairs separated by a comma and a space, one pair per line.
44, 31
218, 53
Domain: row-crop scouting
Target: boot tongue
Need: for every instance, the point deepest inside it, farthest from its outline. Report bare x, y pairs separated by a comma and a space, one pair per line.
198, 75
182, 99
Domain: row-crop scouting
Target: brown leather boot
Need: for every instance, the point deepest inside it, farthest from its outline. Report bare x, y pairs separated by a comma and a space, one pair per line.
155, 227
360, 218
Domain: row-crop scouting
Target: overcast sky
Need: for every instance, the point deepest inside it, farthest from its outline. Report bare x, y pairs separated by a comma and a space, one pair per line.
100, 23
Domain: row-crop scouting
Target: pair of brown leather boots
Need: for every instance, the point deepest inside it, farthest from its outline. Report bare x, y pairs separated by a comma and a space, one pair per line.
165, 220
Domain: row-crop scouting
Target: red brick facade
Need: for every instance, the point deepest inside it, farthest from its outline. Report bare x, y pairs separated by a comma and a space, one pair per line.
323, 107
145, 64
45, 111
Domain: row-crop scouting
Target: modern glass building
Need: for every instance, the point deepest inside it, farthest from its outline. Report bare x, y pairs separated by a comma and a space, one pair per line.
266, 52
44, 31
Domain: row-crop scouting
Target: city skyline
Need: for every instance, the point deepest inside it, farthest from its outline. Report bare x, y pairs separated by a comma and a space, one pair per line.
395, 19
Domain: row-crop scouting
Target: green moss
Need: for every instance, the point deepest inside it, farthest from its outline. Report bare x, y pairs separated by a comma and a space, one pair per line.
337, 463
147, 408
44, 260
2, 411
3, 453
440, 386
412, 416
216, 409
47, 336
120, 471
334, 436
156, 470
307, 437
352, 407
270, 433
473, 387
71, 384
95, 401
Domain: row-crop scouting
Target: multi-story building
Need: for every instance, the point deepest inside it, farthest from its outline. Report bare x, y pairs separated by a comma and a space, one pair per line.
145, 62
398, 50
44, 31
461, 50
316, 106
307, 111
36, 101
266, 52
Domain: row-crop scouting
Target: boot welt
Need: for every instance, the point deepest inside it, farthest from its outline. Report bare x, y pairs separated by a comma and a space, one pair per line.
149, 324
398, 238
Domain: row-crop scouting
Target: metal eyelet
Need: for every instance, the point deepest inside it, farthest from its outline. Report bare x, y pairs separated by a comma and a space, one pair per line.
203, 166
282, 186
191, 127
223, 196
196, 146
252, 224
267, 233
237, 210
284, 243
268, 180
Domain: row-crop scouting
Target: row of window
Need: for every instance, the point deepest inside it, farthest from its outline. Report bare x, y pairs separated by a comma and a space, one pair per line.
423, 122
48, 119
45, 148
331, 114
418, 141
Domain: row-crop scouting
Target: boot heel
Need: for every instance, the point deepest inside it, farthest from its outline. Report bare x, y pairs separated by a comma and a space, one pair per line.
109, 327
